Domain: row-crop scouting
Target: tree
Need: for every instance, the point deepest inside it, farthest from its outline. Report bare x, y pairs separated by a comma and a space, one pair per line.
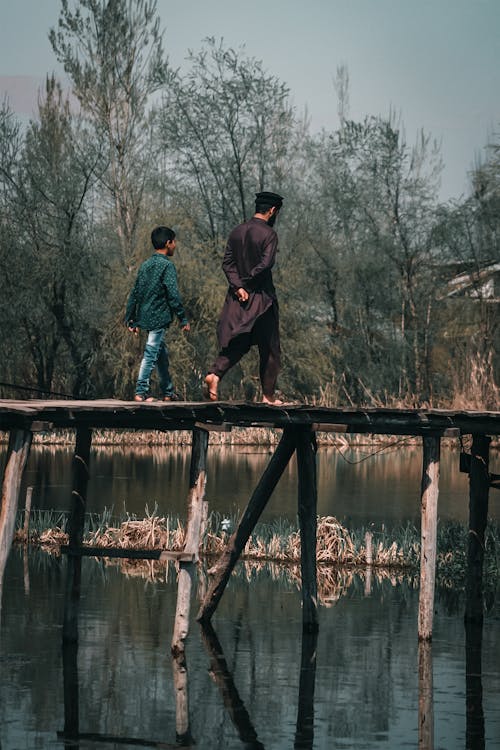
112, 51
50, 263
227, 128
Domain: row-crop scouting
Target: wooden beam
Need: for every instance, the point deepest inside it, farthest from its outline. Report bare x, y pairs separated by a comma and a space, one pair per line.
307, 512
428, 535
224, 566
479, 484
162, 555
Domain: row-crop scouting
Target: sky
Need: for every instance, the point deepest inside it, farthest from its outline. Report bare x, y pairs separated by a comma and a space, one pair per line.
435, 63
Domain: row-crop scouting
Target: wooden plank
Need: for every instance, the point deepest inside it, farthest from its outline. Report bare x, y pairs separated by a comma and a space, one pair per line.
256, 504
428, 535
479, 484
307, 512
321, 427
111, 414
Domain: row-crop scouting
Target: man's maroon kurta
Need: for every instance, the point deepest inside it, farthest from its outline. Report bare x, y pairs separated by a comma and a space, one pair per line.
250, 255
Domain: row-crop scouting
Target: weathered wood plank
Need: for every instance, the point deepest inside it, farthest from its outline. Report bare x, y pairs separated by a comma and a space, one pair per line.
108, 413
428, 535
236, 543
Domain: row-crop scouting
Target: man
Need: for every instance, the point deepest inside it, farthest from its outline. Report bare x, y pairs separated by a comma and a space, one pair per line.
250, 312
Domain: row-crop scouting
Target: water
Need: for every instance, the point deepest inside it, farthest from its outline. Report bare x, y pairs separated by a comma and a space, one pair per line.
359, 487
363, 694
361, 690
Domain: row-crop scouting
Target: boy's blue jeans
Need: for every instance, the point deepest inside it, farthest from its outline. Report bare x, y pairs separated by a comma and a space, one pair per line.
155, 353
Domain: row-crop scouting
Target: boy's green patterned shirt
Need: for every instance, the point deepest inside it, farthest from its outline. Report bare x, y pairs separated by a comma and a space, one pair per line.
155, 298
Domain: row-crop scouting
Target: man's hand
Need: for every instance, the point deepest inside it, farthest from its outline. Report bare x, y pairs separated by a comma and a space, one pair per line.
242, 294
186, 328
134, 330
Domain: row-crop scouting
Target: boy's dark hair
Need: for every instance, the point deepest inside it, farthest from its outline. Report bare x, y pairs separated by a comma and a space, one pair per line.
160, 236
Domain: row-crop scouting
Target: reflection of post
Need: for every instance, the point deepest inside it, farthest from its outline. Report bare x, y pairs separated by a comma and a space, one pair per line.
473, 686
425, 697
429, 503
369, 561
308, 493
17, 455
70, 685
187, 571
479, 484
224, 681
81, 460
256, 504
304, 735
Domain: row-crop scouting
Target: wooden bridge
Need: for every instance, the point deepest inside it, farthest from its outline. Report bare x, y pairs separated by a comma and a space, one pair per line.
299, 424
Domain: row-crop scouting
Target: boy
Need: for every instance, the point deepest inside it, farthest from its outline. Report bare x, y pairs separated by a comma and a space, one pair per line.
151, 306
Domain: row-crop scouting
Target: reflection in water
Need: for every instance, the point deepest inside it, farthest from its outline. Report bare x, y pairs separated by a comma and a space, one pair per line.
425, 697
475, 739
356, 687
224, 680
386, 487
304, 733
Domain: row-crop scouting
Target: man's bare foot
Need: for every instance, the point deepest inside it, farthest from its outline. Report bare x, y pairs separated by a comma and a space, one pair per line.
272, 401
210, 386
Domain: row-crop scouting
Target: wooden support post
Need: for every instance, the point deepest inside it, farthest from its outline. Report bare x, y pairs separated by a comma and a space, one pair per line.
479, 483
186, 576
307, 502
27, 513
17, 455
81, 473
428, 535
81, 459
425, 697
257, 503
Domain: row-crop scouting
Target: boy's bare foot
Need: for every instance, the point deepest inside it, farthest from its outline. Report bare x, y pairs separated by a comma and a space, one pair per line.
210, 386
141, 397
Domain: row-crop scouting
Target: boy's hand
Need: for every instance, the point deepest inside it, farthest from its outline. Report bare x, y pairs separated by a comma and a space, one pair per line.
186, 328
134, 330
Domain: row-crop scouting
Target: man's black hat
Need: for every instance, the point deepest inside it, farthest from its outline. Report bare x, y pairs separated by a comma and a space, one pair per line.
268, 200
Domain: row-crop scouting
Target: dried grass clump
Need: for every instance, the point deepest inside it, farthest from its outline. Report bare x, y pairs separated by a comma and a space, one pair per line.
148, 533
